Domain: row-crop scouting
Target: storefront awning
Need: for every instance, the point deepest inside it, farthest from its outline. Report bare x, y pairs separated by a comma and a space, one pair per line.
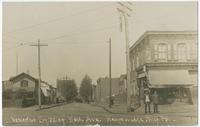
168, 78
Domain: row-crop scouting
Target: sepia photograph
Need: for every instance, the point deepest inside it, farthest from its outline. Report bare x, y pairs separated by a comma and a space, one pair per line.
100, 63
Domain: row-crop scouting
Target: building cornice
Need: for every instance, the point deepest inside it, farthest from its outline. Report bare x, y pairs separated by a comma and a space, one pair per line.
147, 33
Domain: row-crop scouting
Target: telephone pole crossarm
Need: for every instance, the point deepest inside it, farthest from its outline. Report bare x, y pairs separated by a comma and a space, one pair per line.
127, 7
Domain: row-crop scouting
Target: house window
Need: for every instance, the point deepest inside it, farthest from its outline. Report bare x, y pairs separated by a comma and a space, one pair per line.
194, 51
191, 51
148, 53
24, 83
161, 52
181, 52
137, 61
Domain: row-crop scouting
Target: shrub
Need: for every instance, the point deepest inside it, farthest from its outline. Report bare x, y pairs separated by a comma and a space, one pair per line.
7, 94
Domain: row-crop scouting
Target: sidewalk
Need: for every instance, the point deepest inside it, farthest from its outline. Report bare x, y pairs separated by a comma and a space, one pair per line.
50, 106
34, 107
175, 109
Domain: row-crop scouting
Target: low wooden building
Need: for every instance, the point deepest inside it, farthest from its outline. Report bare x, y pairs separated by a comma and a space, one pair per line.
49, 93
22, 91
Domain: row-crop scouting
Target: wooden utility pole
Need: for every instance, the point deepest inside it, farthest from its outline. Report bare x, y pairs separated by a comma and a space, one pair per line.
39, 72
100, 92
124, 11
17, 63
110, 78
17, 60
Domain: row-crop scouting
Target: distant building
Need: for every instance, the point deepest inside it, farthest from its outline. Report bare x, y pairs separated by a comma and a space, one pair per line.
49, 93
165, 61
62, 88
103, 89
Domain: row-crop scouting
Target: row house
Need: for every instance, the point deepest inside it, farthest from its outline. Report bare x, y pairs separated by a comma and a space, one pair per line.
165, 61
49, 92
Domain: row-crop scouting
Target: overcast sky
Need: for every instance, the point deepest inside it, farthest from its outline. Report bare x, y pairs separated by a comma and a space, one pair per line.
77, 35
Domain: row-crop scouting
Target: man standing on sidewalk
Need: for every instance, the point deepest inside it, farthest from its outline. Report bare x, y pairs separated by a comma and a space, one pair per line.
155, 99
147, 101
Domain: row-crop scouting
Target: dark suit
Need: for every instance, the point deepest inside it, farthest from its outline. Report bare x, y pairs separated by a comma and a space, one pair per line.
155, 100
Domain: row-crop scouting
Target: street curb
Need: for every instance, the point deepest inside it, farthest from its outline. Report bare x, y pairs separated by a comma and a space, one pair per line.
106, 109
128, 113
51, 106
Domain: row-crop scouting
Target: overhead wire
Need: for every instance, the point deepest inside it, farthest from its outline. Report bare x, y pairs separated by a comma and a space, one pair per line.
73, 34
78, 33
68, 35
62, 36
57, 19
79, 43
14, 47
85, 32
46, 22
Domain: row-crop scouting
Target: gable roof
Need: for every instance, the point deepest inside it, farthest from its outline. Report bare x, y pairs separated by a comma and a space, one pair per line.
22, 75
47, 84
